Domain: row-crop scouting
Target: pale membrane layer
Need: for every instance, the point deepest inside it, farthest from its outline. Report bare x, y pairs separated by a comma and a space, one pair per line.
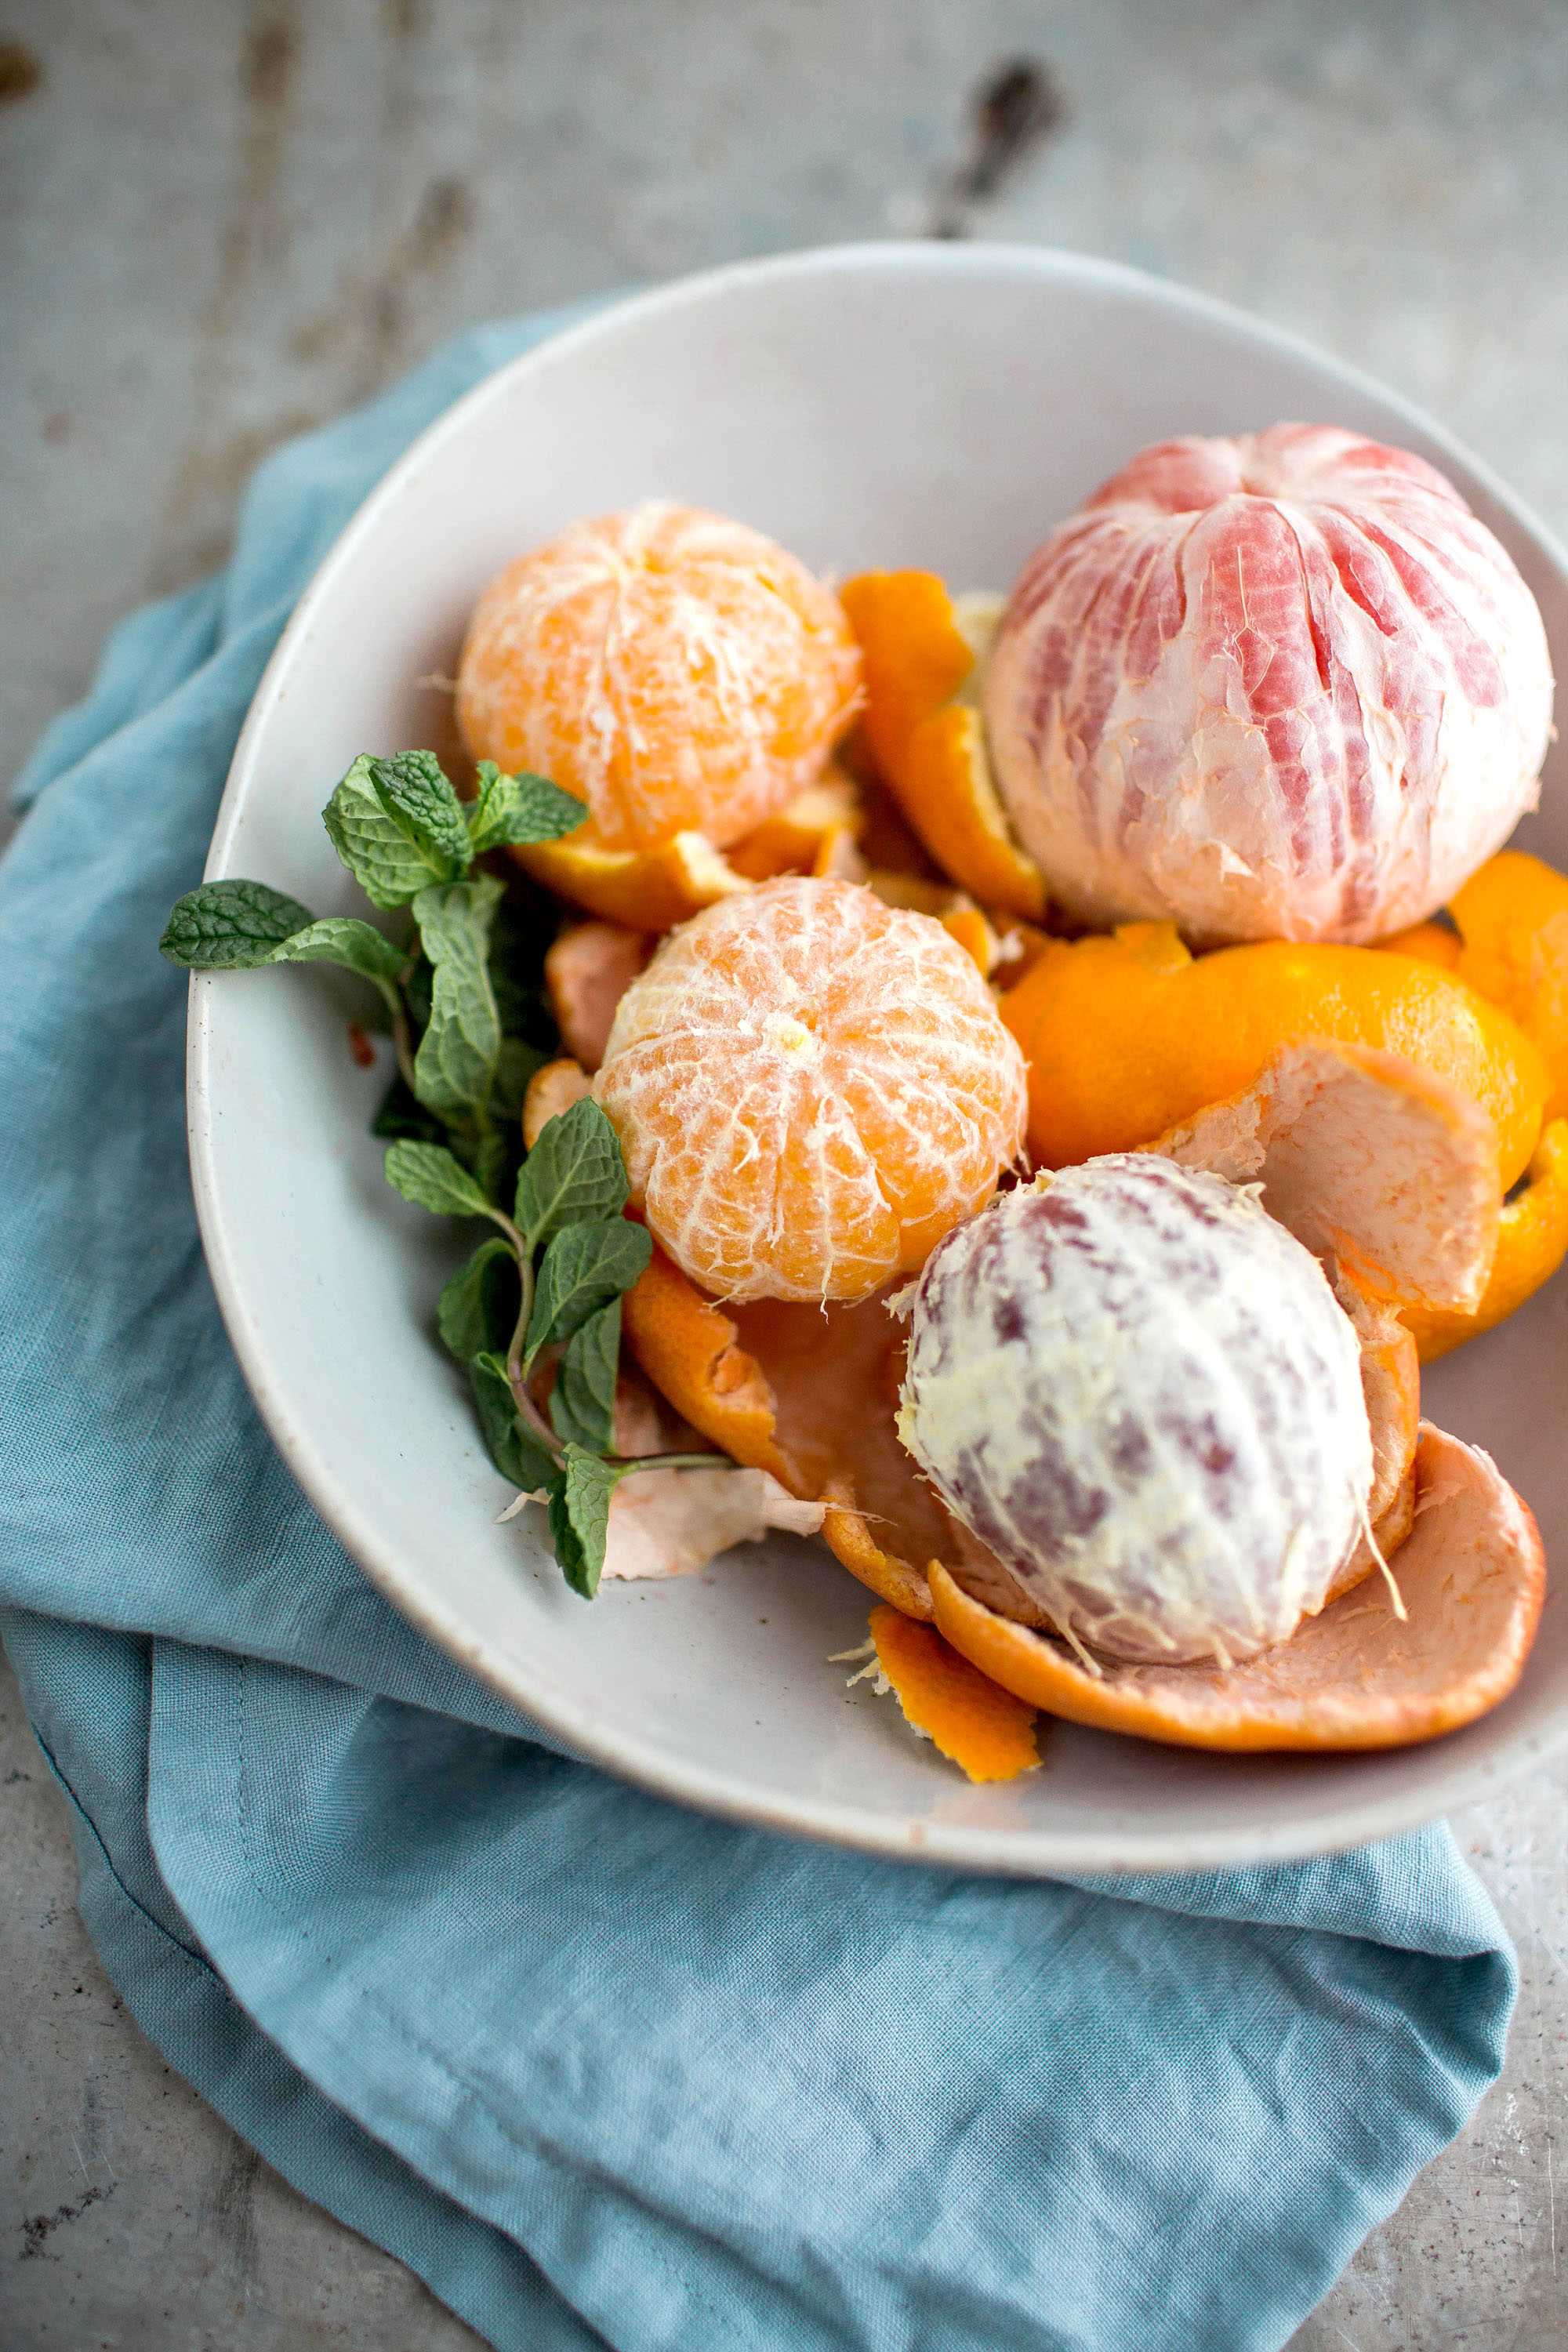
810, 1089
675, 669
1281, 687
1139, 1392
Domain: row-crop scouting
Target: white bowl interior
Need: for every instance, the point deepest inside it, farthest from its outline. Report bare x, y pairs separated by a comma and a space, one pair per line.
883, 406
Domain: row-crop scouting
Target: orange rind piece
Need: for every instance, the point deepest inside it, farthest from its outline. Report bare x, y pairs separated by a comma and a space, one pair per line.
1513, 917
927, 744
1533, 1242
1472, 1576
642, 889
551, 1090
802, 836
587, 971
1370, 1160
968, 1718
809, 1394
1128, 1035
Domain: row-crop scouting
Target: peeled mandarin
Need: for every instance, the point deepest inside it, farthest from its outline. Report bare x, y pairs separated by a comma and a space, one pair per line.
678, 671
810, 1089
1127, 1035
1138, 1390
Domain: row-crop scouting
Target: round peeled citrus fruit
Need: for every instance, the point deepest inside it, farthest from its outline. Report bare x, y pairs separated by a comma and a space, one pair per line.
678, 671
810, 1089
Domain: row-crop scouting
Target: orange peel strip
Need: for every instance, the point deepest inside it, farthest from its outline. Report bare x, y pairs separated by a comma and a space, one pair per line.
587, 971
809, 1393
1365, 1157
929, 748
551, 1090
1473, 1576
1533, 1242
1512, 916
645, 889
791, 842
977, 1724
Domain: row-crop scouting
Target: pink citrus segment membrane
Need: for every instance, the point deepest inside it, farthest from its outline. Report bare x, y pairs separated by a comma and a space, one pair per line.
810, 1089
1285, 685
678, 671
1141, 1393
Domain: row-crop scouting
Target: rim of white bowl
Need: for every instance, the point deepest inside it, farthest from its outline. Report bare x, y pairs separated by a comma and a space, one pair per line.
1022, 1853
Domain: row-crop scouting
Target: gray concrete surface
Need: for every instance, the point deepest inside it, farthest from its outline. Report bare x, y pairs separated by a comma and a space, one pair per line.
218, 223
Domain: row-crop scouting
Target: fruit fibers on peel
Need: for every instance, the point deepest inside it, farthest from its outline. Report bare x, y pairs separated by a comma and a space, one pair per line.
1281, 687
810, 1087
1139, 1392
676, 670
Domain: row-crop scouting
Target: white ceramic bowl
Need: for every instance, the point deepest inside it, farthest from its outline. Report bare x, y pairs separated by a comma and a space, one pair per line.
940, 406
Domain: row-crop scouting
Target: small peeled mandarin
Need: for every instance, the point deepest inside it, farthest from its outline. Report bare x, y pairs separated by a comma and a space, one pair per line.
1284, 686
1139, 1391
678, 671
810, 1089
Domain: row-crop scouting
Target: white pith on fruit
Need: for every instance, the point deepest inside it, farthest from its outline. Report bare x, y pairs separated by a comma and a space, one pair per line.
1141, 1393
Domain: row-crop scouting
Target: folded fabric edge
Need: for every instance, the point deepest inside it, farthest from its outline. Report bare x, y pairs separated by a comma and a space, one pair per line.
191, 2018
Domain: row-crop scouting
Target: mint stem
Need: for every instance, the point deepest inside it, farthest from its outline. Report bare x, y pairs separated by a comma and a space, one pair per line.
516, 1378
628, 1463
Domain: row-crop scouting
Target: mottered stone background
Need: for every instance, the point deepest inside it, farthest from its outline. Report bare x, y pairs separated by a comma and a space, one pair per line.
221, 224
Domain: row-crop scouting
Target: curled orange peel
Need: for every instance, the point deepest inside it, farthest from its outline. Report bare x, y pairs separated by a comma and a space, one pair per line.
1127, 1035
645, 889
972, 1720
653, 890
809, 1393
1473, 1578
930, 746
1533, 1243
1370, 1160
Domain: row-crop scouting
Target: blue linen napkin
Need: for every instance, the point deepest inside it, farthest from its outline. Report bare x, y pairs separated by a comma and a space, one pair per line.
600, 2070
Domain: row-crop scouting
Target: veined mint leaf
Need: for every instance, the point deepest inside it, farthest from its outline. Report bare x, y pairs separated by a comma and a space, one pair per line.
516, 1454
382, 836
455, 1066
574, 1173
583, 1402
523, 930
479, 1306
230, 926
580, 1518
414, 788
520, 808
357, 946
584, 1267
429, 1176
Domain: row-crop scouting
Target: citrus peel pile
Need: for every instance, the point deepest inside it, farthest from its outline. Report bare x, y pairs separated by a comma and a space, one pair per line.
1403, 1107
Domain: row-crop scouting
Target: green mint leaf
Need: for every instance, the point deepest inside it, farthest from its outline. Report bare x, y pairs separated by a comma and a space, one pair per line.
416, 792
583, 1402
493, 1164
580, 1518
574, 1173
455, 1066
478, 1306
518, 1456
380, 834
357, 946
402, 1116
520, 808
230, 926
584, 1267
430, 1177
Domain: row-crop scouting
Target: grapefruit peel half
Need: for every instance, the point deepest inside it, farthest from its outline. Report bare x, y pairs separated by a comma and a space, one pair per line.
1473, 1575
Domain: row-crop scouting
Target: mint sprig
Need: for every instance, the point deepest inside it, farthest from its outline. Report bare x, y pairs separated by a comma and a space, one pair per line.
471, 1026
